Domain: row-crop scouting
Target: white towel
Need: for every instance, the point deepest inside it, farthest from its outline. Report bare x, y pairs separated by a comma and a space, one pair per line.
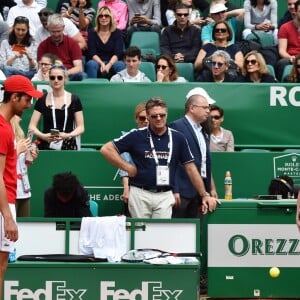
103, 237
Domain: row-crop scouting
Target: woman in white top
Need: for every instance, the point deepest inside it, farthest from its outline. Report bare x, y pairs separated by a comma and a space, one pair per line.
261, 16
166, 70
46, 61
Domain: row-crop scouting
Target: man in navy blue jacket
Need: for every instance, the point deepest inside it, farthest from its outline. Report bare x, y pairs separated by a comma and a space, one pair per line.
192, 125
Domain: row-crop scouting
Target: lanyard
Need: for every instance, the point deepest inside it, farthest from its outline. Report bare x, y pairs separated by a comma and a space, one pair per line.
170, 148
53, 111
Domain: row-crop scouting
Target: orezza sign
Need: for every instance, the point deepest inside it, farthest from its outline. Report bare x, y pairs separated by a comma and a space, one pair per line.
253, 245
59, 290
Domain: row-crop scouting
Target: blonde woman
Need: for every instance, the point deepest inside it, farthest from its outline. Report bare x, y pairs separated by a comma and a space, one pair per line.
23, 185
61, 112
105, 46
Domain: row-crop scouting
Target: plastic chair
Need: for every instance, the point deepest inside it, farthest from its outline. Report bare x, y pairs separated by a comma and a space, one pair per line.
149, 69
271, 70
265, 39
146, 40
96, 80
286, 72
254, 150
94, 208
186, 70
291, 150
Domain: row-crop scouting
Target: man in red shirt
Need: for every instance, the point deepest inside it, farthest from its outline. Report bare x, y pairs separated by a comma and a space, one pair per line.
18, 91
63, 47
289, 41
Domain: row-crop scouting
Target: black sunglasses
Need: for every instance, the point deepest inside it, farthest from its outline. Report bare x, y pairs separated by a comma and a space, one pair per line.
223, 30
142, 118
104, 16
158, 115
218, 64
59, 77
182, 15
44, 14
161, 67
216, 117
251, 61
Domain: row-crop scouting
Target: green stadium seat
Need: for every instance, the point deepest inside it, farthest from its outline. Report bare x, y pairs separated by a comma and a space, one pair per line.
94, 208
295, 150
287, 70
271, 70
186, 70
95, 80
265, 38
149, 69
146, 40
254, 150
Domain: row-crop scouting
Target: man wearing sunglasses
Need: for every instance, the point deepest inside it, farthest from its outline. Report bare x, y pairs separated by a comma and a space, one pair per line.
28, 9
181, 40
70, 29
156, 151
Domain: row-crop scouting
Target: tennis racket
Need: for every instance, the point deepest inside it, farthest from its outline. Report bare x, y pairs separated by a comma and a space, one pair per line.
145, 254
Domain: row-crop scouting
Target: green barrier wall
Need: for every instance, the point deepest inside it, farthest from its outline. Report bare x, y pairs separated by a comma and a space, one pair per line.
251, 174
260, 115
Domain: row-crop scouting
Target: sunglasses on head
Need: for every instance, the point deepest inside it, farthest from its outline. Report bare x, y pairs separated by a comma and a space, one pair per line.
59, 77
215, 117
218, 64
57, 67
182, 15
142, 118
251, 61
161, 67
21, 19
158, 115
223, 30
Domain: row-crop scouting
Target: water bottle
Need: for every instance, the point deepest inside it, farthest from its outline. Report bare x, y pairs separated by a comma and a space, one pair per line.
228, 186
12, 256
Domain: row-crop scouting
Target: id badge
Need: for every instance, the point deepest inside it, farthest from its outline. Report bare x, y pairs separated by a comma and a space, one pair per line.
56, 145
203, 170
162, 175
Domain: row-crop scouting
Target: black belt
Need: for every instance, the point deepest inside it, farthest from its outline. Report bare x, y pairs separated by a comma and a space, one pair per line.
154, 189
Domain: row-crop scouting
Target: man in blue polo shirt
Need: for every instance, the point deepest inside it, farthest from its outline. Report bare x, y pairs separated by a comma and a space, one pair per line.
156, 151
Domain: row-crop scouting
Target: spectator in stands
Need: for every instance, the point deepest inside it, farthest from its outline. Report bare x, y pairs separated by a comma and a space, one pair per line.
261, 16
23, 185
5, 6
143, 16
218, 69
255, 69
288, 45
105, 46
18, 53
166, 70
3, 31
132, 58
66, 198
80, 12
42, 3
282, 185
60, 110
219, 12
221, 139
222, 36
119, 9
64, 47
46, 61
28, 9
229, 5
294, 75
141, 120
70, 29
194, 14
290, 13
181, 40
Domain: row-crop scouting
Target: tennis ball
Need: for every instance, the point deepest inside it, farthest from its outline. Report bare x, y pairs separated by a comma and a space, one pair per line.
274, 272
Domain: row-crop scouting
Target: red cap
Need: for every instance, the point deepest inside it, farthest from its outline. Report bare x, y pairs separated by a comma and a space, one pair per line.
21, 84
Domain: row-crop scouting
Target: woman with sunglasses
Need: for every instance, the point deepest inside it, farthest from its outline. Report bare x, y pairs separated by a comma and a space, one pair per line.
166, 70
46, 61
255, 69
105, 46
18, 53
61, 112
294, 75
220, 139
222, 35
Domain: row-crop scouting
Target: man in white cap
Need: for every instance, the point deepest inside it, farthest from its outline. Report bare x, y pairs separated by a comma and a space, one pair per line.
18, 92
219, 12
194, 127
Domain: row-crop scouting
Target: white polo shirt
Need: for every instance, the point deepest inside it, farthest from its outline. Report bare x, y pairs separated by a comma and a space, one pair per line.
30, 12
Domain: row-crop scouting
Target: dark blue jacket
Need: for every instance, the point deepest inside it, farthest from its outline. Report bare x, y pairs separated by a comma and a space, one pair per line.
183, 183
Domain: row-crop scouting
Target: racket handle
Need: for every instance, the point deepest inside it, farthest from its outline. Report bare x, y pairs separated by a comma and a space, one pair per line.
188, 254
